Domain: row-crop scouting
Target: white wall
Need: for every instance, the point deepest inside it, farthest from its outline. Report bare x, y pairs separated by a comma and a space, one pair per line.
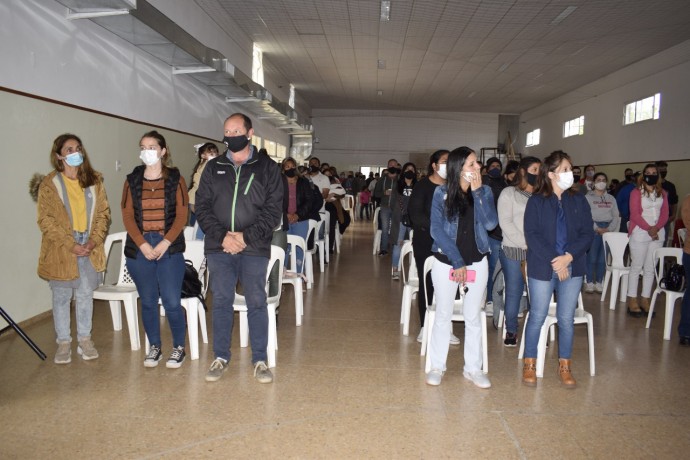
605, 139
79, 62
352, 138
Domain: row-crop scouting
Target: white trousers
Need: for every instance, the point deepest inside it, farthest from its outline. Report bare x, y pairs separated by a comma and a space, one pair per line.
642, 249
444, 292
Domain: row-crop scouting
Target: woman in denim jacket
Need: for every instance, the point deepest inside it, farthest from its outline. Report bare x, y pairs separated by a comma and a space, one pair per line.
559, 231
462, 214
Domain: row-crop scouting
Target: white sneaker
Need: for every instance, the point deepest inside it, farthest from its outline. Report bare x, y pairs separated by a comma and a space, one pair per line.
489, 309
434, 377
421, 335
599, 287
589, 287
454, 340
478, 378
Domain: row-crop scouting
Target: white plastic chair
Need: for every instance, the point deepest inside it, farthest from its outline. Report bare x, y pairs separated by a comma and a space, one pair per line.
581, 316
457, 316
295, 278
308, 260
240, 305
660, 256
326, 219
191, 231
348, 203
123, 291
377, 232
410, 284
616, 270
195, 313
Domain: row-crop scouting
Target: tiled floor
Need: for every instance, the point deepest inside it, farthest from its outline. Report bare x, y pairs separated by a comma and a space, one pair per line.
348, 385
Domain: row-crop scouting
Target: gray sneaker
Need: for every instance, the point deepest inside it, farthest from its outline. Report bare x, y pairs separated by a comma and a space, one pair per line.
262, 372
86, 349
215, 372
63, 355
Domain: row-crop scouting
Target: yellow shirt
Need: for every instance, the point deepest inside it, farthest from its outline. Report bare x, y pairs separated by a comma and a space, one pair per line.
77, 203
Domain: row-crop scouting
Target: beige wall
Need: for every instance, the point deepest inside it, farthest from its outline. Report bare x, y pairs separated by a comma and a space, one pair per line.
28, 129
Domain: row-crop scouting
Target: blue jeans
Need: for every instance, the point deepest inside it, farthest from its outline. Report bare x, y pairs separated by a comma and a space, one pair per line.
300, 228
403, 232
567, 293
385, 226
160, 279
684, 325
495, 247
225, 271
596, 263
514, 287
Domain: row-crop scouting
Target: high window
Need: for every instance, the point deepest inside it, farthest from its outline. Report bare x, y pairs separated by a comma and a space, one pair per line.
574, 127
533, 138
644, 109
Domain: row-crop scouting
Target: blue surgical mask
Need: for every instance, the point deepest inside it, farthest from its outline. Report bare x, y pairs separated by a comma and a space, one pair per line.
74, 159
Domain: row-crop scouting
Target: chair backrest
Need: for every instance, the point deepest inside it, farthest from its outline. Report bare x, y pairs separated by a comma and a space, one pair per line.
189, 233
319, 225
407, 261
682, 233
194, 252
660, 256
615, 244
311, 235
348, 202
277, 258
123, 277
296, 242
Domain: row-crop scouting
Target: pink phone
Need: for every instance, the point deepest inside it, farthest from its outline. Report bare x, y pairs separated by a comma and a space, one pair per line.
471, 276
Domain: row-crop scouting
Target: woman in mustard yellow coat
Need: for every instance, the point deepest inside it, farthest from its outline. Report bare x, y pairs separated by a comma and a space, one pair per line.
74, 216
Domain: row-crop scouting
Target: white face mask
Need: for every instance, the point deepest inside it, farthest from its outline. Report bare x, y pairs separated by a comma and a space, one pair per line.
565, 180
468, 176
149, 157
442, 171
600, 185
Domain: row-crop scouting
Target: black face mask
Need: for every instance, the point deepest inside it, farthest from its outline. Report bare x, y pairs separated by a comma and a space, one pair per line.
629, 177
290, 172
663, 174
576, 179
235, 143
651, 179
410, 175
313, 168
531, 179
393, 170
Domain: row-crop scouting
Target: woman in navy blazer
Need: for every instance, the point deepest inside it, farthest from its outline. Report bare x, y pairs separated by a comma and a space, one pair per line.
558, 231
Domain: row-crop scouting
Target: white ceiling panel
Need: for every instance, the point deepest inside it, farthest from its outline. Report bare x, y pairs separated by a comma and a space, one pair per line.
330, 48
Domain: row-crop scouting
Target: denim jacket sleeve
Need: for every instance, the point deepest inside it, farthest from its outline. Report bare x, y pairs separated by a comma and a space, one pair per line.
441, 227
484, 207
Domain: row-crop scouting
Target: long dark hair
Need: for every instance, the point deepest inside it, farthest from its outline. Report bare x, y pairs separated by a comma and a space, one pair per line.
550, 164
166, 161
521, 173
203, 149
434, 159
85, 173
457, 200
401, 179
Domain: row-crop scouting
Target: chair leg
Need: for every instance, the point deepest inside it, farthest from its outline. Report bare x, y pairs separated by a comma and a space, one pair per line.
272, 345
432, 316
485, 340
614, 291
132, 322
116, 313
624, 287
668, 318
590, 339
191, 307
607, 277
299, 303
425, 334
244, 330
541, 348
651, 309
521, 353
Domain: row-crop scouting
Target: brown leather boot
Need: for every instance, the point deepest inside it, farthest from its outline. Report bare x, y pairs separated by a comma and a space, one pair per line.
644, 306
529, 372
634, 307
567, 379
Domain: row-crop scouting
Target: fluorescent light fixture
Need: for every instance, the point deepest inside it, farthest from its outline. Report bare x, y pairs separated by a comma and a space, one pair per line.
385, 10
381, 63
504, 67
564, 14
192, 69
232, 99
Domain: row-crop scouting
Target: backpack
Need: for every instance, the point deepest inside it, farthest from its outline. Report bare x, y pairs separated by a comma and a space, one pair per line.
191, 284
674, 279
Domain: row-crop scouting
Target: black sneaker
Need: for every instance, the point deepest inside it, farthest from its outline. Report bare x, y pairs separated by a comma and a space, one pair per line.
510, 340
153, 357
383, 253
176, 358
